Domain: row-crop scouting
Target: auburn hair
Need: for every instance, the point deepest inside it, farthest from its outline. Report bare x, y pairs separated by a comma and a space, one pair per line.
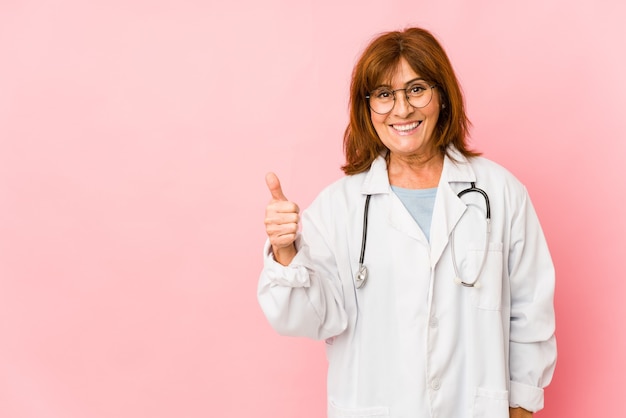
381, 57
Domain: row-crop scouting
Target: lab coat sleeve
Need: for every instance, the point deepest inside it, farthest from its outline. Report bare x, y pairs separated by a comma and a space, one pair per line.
304, 298
532, 349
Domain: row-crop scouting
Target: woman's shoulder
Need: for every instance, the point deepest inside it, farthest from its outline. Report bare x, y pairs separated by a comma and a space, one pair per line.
485, 164
345, 187
335, 203
496, 175
341, 195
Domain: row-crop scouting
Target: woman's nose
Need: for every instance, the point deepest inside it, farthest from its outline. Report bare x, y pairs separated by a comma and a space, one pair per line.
401, 105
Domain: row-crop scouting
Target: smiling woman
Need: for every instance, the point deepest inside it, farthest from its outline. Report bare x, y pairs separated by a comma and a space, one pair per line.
406, 129
412, 54
446, 310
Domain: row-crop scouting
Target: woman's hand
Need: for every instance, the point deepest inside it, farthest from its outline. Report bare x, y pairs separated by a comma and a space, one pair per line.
519, 413
281, 222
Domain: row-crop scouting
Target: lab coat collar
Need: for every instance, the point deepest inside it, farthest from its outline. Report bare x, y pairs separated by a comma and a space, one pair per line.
456, 168
376, 179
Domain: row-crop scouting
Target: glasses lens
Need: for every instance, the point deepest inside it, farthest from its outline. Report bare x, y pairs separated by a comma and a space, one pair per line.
381, 100
419, 94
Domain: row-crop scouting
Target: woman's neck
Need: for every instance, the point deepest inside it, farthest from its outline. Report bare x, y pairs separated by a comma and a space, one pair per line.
415, 172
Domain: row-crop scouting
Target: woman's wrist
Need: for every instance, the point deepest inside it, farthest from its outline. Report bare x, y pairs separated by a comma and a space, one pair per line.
519, 413
284, 255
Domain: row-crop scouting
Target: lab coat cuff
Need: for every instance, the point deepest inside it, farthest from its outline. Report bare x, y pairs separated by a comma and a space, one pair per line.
293, 275
525, 396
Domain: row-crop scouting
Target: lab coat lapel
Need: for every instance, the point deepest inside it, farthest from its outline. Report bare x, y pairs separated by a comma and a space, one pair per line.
400, 218
377, 182
448, 206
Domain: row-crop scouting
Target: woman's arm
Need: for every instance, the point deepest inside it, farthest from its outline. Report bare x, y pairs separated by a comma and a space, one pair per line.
532, 344
299, 288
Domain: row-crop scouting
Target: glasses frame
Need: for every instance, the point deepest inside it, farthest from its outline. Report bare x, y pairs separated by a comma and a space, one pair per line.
393, 92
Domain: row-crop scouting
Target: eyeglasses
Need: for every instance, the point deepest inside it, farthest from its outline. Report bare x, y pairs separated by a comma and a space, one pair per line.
418, 94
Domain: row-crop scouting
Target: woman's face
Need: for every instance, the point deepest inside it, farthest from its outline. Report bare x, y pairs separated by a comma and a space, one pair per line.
405, 130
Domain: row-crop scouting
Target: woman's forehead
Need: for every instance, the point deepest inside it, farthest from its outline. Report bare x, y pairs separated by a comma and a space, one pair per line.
396, 74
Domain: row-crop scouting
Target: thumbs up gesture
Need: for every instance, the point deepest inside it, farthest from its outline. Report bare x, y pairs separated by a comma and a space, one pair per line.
281, 221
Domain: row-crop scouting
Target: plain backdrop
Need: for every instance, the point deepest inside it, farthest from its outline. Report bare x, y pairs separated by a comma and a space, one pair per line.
134, 140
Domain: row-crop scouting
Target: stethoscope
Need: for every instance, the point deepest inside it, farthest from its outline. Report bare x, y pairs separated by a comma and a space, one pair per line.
361, 276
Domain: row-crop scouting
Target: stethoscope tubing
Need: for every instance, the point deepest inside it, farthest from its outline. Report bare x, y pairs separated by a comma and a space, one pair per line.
473, 188
457, 279
364, 238
361, 276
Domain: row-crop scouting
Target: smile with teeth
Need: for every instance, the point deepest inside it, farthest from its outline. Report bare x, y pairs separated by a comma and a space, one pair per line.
406, 127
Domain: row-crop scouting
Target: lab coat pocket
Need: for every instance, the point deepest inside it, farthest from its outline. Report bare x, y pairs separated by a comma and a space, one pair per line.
491, 403
335, 411
488, 293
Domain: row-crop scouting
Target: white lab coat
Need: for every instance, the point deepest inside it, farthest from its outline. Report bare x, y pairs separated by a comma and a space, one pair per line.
412, 343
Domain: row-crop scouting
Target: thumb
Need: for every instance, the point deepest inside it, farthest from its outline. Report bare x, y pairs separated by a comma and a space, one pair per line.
273, 184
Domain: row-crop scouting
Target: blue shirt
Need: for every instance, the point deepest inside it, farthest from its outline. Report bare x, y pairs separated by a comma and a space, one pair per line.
420, 204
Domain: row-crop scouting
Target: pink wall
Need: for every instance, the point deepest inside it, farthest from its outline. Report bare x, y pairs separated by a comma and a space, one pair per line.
134, 139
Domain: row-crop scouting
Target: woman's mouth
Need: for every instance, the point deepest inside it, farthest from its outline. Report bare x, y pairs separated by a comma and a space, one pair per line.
406, 128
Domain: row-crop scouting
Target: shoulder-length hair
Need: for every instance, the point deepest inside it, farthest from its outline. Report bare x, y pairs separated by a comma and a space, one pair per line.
381, 57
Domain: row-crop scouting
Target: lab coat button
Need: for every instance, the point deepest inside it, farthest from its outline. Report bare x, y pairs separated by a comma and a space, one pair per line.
435, 384
434, 322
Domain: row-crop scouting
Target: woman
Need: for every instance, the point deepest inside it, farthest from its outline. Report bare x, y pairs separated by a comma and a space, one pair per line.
452, 315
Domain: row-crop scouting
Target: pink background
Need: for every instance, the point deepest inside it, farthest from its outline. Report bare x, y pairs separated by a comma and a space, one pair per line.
134, 139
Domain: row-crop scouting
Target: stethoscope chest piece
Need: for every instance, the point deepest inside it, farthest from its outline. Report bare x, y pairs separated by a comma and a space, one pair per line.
361, 277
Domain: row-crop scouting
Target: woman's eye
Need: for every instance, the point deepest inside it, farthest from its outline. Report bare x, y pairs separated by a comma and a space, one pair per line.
383, 94
416, 89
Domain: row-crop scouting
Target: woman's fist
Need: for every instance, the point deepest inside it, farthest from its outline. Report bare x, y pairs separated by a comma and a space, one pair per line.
281, 221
